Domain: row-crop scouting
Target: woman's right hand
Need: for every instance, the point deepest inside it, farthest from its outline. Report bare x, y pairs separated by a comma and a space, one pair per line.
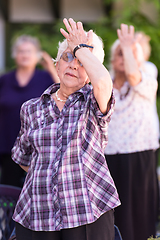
126, 36
76, 34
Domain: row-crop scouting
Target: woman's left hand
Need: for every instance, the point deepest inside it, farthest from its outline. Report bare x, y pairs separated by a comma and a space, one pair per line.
46, 61
76, 34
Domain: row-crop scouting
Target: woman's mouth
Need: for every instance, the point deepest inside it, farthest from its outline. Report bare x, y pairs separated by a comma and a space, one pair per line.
71, 75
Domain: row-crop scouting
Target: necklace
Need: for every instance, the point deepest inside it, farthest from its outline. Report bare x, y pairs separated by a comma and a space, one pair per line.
58, 97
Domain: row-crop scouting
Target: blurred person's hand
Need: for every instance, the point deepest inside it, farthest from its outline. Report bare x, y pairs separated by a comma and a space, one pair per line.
126, 36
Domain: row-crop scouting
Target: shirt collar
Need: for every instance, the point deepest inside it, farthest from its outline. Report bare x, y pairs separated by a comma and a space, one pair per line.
54, 87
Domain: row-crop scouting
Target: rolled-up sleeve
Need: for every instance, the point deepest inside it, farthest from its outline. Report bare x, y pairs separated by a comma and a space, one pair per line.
103, 118
22, 150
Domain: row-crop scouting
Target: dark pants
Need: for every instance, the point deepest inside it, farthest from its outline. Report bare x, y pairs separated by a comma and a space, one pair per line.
136, 180
102, 229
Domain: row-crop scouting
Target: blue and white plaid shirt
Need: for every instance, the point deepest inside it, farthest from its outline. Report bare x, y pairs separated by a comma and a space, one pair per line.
68, 183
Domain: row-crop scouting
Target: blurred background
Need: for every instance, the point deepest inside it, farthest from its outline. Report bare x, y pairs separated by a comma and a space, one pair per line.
43, 20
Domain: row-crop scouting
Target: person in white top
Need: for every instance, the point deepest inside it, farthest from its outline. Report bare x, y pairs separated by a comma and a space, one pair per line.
133, 139
144, 40
148, 67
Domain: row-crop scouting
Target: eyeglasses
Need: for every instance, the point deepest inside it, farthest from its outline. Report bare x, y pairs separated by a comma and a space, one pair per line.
68, 57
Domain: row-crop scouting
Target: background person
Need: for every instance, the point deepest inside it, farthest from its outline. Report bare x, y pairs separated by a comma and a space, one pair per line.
16, 87
151, 69
132, 140
144, 40
68, 191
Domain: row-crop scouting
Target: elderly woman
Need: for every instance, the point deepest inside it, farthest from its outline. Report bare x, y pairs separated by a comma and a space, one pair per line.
144, 40
68, 193
16, 87
132, 140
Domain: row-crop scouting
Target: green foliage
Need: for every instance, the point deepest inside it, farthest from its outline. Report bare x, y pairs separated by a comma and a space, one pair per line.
49, 34
151, 238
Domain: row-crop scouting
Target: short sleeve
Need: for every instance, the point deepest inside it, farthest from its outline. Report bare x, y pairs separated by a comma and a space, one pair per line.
103, 118
22, 150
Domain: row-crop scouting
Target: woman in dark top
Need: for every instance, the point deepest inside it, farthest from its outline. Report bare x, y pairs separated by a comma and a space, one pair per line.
16, 87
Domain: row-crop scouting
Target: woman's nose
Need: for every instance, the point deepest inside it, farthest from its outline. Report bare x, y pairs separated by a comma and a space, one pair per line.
74, 63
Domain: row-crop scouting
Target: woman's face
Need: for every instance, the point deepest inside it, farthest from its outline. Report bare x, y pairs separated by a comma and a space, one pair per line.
71, 74
118, 61
26, 55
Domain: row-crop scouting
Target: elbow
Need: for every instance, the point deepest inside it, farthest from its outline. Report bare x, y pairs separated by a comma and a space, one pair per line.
105, 86
103, 92
105, 83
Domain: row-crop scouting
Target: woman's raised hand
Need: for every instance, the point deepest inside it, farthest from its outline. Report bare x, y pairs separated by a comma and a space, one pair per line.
126, 35
76, 34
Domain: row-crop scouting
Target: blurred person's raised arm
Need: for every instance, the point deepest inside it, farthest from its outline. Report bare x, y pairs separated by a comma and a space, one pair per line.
127, 42
48, 65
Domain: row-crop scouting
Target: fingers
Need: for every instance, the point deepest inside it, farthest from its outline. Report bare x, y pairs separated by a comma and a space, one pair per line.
90, 37
64, 33
125, 30
66, 23
80, 26
119, 33
131, 30
126, 35
75, 33
70, 26
138, 37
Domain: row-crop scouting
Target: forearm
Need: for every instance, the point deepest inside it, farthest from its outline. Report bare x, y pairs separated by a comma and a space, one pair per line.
131, 67
54, 75
25, 168
98, 76
48, 65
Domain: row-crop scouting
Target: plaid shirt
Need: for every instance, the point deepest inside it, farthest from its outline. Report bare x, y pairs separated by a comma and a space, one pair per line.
68, 183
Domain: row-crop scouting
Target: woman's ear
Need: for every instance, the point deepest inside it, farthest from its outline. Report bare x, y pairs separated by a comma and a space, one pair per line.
57, 67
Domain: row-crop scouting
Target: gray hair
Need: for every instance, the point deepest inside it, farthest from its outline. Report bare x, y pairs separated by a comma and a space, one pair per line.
96, 43
23, 39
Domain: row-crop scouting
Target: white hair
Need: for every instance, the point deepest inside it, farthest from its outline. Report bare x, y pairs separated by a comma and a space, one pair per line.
23, 39
96, 43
